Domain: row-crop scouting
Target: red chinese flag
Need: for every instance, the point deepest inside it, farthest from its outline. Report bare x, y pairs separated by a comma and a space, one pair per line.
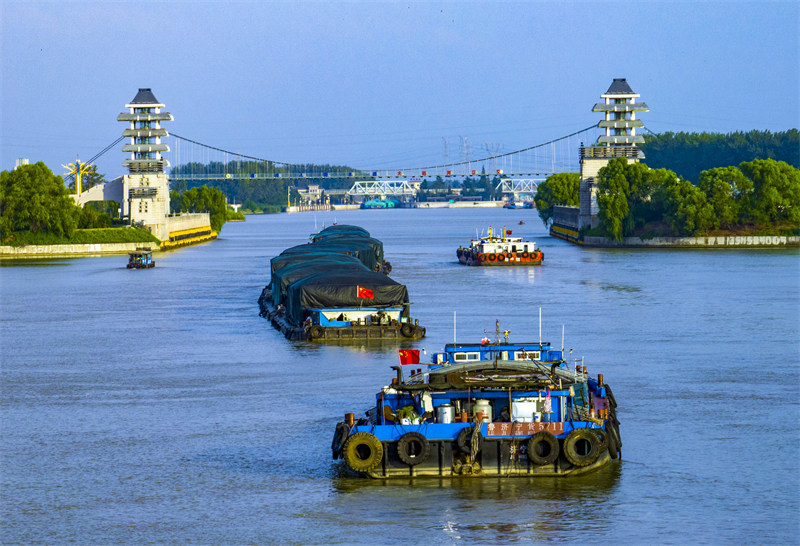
409, 357
508, 232
365, 293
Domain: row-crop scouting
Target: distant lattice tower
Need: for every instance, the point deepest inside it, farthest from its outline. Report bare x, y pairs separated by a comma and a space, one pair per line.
146, 186
620, 140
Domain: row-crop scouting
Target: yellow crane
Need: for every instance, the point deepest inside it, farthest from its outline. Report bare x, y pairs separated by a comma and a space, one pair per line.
77, 169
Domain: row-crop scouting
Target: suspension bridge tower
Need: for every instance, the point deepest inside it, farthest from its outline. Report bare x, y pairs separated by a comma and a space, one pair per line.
146, 186
619, 108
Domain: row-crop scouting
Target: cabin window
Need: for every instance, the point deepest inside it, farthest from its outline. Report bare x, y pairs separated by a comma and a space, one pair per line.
527, 355
463, 357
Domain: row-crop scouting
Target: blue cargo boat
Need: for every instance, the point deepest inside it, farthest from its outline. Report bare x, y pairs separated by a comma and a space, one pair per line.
484, 409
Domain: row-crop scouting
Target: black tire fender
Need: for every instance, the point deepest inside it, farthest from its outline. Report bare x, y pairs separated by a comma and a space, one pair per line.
464, 441
581, 447
363, 452
413, 448
613, 438
543, 448
339, 438
316, 332
407, 330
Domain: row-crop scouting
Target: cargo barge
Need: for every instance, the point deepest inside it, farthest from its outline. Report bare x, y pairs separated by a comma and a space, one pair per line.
484, 409
337, 287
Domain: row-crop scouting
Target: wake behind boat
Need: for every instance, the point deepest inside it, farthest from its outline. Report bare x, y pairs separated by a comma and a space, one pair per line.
500, 250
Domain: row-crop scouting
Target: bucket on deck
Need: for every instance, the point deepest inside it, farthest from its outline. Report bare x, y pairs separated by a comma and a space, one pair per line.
445, 414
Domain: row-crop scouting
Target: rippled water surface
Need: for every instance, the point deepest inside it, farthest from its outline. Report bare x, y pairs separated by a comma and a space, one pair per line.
156, 406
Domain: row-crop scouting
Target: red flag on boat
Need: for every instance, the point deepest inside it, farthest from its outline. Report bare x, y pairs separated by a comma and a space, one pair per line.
508, 232
365, 293
410, 356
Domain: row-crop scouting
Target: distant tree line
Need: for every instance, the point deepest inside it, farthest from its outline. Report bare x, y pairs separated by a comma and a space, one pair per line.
689, 154
241, 184
480, 186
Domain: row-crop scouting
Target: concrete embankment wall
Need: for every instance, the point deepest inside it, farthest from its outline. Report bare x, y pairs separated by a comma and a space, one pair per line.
696, 242
65, 251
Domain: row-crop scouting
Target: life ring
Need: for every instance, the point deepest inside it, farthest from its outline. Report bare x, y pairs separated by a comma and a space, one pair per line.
464, 440
543, 448
316, 332
526, 255
339, 438
413, 448
482, 257
501, 257
407, 330
509, 256
363, 452
492, 257
582, 447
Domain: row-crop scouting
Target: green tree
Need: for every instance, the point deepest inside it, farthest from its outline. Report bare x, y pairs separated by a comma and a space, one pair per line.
722, 186
92, 218
687, 210
33, 199
204, 199
612, 198
776, 190
558, 189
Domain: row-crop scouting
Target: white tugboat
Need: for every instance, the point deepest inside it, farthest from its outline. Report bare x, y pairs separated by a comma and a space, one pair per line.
500, 250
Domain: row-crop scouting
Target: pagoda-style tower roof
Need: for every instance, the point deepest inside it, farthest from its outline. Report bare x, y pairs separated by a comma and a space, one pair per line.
145, 131
620, 109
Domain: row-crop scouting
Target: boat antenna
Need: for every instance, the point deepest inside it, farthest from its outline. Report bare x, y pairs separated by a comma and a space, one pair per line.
562, 339
540, 327
454, 327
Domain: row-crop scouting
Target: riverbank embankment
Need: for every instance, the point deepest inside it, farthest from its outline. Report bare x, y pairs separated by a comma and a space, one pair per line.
74, 250
728, 241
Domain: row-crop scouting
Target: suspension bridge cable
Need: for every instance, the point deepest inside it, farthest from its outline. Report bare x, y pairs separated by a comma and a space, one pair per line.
236, 153
96, 156
506, 154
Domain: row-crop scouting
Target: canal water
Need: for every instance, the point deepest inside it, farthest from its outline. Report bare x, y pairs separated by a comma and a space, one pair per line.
157, 406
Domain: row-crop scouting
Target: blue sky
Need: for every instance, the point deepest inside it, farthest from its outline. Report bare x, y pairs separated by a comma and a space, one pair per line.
384, 84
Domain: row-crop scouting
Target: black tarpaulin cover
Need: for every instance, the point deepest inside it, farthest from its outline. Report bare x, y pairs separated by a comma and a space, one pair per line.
341, 228
340, 289
285, 260
310, 265
362, 249
339, 238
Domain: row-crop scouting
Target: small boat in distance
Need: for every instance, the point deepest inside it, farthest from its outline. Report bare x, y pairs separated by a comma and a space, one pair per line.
488, 408
500, 250
141, 258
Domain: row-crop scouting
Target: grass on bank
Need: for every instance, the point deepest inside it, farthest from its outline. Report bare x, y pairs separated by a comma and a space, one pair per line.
82, 236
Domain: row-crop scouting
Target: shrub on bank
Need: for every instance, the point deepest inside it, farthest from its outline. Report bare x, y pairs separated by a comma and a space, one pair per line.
82, 236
